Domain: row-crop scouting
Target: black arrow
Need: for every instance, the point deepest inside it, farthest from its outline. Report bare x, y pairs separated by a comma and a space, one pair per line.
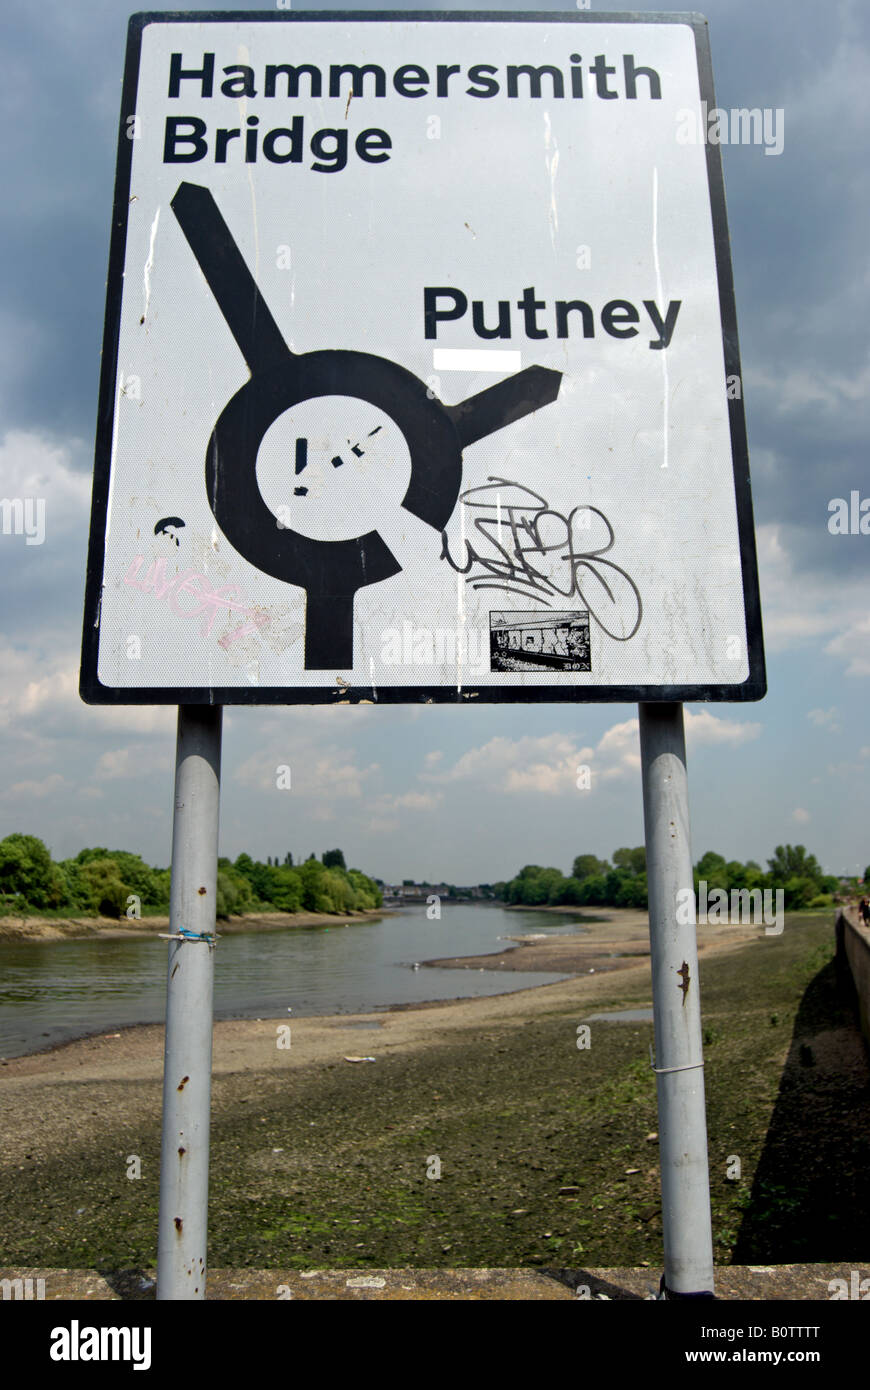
502, 404
229, 279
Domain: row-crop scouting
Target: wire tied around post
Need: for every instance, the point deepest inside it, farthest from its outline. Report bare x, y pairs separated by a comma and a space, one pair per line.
659, 1071
210, 938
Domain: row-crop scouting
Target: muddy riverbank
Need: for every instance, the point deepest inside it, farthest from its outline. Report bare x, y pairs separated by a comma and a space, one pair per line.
547, 1154
45, 929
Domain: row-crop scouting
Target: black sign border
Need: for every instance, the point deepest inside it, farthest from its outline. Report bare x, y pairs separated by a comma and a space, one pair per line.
91, 688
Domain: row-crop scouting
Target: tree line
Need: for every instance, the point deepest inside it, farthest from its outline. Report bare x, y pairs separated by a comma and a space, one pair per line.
108, 882
595, 882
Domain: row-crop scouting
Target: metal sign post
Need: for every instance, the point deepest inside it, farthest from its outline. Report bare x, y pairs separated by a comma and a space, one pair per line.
679, 1067
183, 1221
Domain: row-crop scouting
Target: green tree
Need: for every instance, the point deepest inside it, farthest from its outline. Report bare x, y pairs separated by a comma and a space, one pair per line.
633, 892
613, 881
107, 890
85, 856
286, 889
572, 892
315, 897
534, 885
235, 896
556, 890
800, 890
792, 861
713, 869
333, 859
339, 890
150, 885
749, 875
634, 860
588, 865
26, 868
368, 894
594, 891
226, 897
78, 893
258, 875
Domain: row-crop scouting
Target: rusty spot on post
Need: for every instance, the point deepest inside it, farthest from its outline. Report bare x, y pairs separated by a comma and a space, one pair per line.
182, 1152
178, 1224
683, 972
183, 1082
201, 891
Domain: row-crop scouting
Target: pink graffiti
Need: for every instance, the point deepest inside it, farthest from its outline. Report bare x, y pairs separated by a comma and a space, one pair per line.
208, 601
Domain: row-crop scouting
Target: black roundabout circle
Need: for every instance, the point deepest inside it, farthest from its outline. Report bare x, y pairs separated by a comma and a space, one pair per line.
327, 567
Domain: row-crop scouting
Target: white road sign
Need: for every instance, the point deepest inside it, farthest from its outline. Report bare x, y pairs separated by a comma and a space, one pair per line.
420, 377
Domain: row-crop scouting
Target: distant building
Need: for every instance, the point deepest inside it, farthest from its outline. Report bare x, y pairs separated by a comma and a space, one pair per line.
411, 893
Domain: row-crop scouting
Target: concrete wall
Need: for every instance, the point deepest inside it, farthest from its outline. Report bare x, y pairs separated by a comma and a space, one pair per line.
853, 949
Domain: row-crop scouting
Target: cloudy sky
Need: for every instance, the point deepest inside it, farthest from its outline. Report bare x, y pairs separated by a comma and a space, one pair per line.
464, 794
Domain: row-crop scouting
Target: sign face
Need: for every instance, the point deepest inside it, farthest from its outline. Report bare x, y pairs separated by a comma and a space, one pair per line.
420, 375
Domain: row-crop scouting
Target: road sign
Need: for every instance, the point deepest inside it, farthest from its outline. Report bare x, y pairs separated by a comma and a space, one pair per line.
420, 377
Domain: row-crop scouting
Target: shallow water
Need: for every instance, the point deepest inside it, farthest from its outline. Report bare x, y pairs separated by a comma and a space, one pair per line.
53, 991
622, 1016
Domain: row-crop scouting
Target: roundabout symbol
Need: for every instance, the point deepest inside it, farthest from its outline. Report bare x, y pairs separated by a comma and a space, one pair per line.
330, 571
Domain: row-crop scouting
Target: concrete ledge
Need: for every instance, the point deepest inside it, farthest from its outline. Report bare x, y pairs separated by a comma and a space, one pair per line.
806, 1283
853, 947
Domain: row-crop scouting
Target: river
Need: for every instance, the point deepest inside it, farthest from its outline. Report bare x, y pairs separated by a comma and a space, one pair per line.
54, 991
